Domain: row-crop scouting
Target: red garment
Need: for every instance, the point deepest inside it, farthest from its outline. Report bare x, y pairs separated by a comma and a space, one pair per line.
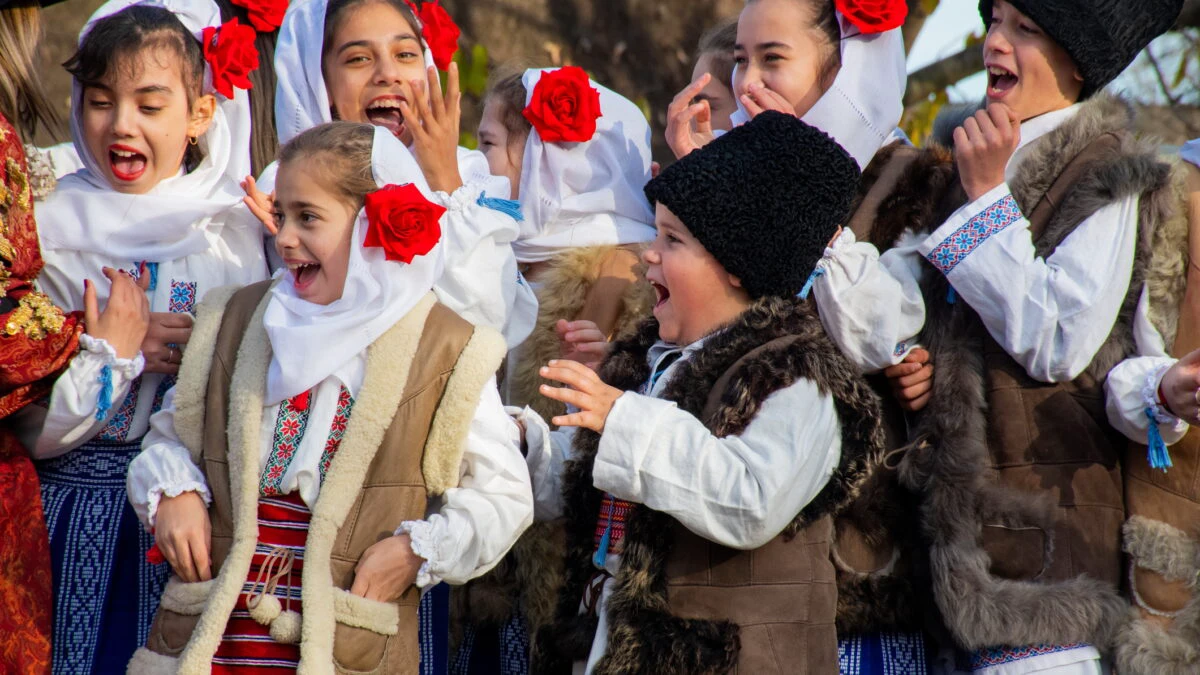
37, 341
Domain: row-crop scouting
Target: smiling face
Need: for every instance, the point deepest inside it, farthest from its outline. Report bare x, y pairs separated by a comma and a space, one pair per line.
779, 48
372, 50
1027, 71
504, 150
315, 225
137, 120
695, 294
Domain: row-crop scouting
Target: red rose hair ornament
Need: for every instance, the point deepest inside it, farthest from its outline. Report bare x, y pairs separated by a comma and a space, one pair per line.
438, 30
231, 56
402, 222
874, 16
564, 106
265, 15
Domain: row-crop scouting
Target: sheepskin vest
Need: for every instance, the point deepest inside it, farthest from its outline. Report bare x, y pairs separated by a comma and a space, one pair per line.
403, 445
682, 604
1021, 480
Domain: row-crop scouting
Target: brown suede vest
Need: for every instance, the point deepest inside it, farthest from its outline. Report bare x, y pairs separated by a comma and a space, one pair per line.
394, 489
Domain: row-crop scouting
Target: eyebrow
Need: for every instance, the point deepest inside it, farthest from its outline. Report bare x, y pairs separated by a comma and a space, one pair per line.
153, 89
367, 43
300, 205
774, 44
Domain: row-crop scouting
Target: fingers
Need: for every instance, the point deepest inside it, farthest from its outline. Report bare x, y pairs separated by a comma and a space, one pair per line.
143, 280
453, 93
91, 307
182, 564
917, 355
922, 375
901, 370
569, 373
684, 98
584, 419
703, 118
200, 560
752, 107
360, 585
437, 103
918, 404
655, 169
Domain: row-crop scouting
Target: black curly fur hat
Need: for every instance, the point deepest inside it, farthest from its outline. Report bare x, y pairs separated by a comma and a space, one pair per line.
1102, 36
764, 199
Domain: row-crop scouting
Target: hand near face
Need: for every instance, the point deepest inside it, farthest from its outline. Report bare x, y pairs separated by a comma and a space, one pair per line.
759, 99
689, 125
126, 316
387, 569
982, 147
434, 121
584, 390
260, 204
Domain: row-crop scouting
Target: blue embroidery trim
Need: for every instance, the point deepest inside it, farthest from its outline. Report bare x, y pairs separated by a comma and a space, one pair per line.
995, 656
955, 248
104, 401
1157, 453
508, 207
817, 273
951, 296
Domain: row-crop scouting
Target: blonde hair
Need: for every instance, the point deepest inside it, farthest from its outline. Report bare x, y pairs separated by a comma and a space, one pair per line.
340, 153
23, 100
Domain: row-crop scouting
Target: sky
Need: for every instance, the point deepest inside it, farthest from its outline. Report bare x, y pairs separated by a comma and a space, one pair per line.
943, 35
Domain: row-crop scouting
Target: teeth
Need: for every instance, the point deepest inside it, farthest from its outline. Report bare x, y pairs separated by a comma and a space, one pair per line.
296, 267
998, 72
125, 153
389, 104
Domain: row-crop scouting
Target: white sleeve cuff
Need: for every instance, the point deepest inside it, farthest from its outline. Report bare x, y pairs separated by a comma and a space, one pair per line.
173, 490
129, 368
423, 540
461, 199
1155, 405
970, 227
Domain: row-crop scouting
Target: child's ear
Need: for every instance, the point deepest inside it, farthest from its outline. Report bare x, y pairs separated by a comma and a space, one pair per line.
734, 281
203, 110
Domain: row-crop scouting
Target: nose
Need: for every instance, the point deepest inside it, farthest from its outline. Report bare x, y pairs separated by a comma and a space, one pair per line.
124, 124
387, 71
650, 256
996, 41
746, 74
285, 238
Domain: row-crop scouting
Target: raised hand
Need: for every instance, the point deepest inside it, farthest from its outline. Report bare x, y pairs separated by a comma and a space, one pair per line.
689, 125
584, 390
912, 380
982, 147
434, 122
1180, 388
261, 204
582, 342
126, 316
386, 569
183, 534
758, 98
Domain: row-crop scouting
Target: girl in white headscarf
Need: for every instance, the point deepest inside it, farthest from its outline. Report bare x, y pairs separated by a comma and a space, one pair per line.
373, 61
162, 133
366, 440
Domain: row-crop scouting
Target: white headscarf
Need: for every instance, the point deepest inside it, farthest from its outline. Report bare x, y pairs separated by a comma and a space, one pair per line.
311, 342
174, 219
862, 108
587, 193
301, 98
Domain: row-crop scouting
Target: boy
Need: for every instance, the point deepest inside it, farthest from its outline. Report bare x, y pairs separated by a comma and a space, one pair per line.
718, 440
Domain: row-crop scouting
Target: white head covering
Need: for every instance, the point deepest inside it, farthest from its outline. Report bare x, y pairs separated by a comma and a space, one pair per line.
589, 193
862, 108
311, 342
301, 99
173, 220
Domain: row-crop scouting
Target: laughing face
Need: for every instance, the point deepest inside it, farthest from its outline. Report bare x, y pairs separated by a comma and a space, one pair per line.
372, 50
779, 48
695, 294
136, 120
315, 225
1027, 71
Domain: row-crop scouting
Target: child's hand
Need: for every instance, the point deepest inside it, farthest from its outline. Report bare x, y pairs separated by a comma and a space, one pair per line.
586, 392
434, 122
758, 99
582, 342
1180, 388
262, 205
386, 569
689, 125
183, 533
126, 316
982, 147
912, 380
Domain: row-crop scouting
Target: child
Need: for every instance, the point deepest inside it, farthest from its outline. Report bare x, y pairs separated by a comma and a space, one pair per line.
158, 196
726, 429
375, 65
1037, 280
714, 55
326, 457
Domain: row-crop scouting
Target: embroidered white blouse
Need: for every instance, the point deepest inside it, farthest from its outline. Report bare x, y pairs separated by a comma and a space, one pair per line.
466, 531
1051, 314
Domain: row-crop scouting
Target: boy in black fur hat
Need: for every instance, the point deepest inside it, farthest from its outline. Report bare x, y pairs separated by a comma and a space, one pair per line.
1025, 247
717, 441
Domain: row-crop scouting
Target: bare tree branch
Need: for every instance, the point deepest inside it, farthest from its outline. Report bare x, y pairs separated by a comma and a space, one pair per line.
941, 74
1190, 16
914, 23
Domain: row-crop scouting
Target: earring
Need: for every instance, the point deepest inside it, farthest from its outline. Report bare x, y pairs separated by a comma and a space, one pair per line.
193, 140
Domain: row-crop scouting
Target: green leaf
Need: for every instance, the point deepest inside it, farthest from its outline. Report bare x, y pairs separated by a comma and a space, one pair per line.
467, 140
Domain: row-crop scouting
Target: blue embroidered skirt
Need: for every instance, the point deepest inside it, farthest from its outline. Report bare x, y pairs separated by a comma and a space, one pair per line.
105, 594
882, 654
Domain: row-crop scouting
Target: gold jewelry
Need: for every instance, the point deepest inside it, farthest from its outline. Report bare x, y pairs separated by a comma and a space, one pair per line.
193, 140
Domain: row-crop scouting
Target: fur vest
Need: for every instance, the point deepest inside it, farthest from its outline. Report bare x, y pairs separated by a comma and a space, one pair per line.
770, 346
1020, 480
403, 444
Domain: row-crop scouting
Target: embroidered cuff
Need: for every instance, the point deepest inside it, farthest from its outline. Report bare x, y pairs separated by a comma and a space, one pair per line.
955, 246
1150, 396
422, 539
173, 490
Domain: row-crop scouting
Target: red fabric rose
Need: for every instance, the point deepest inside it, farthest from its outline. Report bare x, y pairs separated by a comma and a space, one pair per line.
402, 222
231, 56
154, 555
264, 15
438, 30
564, 106
874, 16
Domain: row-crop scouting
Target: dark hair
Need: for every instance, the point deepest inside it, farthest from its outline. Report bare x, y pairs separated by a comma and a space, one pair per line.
341, 152
336, 10
506, 88
264, 140
718, 42
825, 21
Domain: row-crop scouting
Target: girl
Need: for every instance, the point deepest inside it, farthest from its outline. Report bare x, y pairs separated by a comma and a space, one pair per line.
281, 532
714, 56
159, 196
375, 66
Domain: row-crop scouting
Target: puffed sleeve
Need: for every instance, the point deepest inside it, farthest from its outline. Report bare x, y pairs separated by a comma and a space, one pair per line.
1131, 389
164, 466
475, 524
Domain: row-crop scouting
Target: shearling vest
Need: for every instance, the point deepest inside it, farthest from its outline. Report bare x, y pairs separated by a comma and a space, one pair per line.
403, 444
1021, 480
682, 604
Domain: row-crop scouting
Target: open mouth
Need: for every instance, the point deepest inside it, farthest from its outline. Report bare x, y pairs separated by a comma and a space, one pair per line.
662, 293
384, 111
303, 274
1000, 81
126, 163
